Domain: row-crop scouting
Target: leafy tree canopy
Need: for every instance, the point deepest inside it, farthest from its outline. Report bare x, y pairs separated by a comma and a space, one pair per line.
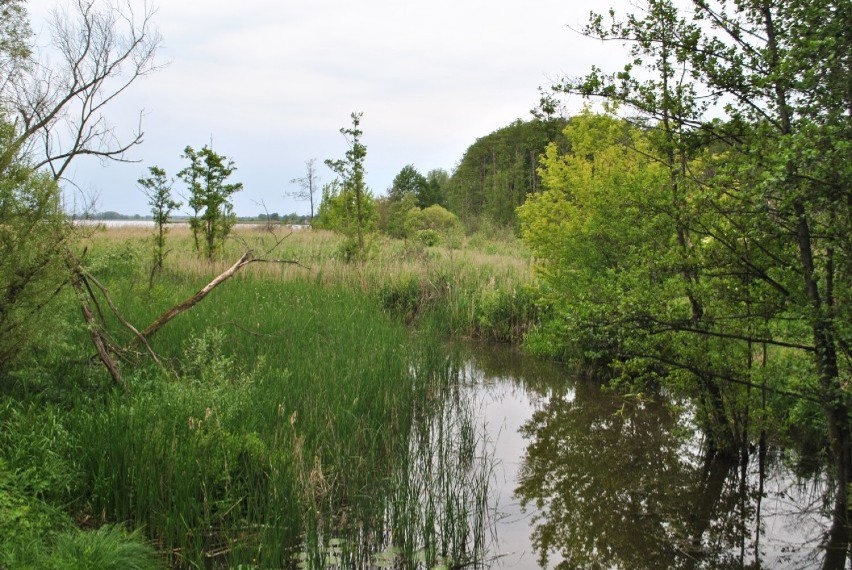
499, 171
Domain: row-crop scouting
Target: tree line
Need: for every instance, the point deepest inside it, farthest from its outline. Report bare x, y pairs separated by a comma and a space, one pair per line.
696, 237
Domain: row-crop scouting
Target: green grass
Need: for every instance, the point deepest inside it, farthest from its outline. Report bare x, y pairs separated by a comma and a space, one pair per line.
478, 292
294, 412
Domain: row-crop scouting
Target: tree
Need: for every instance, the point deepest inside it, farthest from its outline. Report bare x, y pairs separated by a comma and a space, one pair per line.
34, 235
393, 213
350, 171
159, 193
337, 213
747, 109
308, 186
52, 111
408, 181
436, 188
209, 197
14, 39
498, 171
59, 111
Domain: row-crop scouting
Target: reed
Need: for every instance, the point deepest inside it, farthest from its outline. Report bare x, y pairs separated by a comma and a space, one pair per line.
287, 424
483, 292
294, 418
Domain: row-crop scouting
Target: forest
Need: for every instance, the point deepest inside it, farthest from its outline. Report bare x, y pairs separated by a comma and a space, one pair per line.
214, 394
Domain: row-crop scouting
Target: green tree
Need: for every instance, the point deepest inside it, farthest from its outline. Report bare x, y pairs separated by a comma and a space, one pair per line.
392, 214
747, 110
14, 38
337, 212
158, 189
498, 171
408, 181
209, 197
436, 188
582, 228
53, 111
353, 189
34, 235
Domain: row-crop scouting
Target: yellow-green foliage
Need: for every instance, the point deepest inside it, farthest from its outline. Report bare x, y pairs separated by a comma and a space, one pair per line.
588, 215
433, 225
590, 230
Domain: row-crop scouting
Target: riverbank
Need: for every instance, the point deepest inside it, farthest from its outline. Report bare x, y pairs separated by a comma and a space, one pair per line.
310, 413
284, 411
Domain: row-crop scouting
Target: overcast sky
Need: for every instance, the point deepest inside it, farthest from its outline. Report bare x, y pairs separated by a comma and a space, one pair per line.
272, 82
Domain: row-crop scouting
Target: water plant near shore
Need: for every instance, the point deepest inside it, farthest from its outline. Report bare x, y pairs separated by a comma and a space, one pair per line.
282, 416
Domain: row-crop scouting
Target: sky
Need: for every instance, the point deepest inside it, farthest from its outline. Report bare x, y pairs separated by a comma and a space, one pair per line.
272, 82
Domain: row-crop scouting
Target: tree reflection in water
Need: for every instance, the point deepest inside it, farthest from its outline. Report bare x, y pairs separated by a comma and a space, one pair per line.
624, 483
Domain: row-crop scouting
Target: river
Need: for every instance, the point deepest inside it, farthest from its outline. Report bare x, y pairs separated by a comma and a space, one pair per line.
584, 478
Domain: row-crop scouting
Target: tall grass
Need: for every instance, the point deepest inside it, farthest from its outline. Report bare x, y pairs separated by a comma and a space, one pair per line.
294, 418
294, 411
479, 292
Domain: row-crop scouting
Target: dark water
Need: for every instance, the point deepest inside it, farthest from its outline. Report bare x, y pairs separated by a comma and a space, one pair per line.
584, 478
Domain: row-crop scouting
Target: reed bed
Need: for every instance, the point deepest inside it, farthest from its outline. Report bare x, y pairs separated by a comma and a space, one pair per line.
483, 292
294, 419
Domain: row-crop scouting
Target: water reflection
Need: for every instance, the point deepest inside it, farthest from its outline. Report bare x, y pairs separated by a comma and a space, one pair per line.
433, 509
613, 482
518, 463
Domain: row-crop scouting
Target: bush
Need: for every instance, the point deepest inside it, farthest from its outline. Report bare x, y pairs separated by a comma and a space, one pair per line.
35, 236
433, 225
427, 237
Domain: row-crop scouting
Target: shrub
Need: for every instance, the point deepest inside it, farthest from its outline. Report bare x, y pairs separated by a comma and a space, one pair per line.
428, 237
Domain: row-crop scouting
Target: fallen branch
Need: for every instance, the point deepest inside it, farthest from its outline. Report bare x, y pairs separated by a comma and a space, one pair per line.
246, 259
77, 280
197, 297
82, 283
89, 277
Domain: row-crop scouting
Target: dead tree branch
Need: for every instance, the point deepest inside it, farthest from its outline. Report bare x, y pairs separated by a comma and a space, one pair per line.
246, 259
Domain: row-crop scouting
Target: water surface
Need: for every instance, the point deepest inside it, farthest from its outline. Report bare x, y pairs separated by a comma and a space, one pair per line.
584, 478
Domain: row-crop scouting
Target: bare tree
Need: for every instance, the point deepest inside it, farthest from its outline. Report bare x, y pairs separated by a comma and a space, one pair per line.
53, 104
57, 105
308, 185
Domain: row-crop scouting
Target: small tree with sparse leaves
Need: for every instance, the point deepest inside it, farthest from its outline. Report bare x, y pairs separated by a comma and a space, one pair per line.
159, 192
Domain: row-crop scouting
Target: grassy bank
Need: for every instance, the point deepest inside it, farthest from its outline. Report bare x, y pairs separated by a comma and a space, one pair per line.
481, 290
287, 422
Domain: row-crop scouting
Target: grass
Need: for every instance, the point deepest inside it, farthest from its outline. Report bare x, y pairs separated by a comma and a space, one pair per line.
294, 415
477, 292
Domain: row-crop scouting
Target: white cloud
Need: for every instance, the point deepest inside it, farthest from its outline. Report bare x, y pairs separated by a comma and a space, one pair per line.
273, 81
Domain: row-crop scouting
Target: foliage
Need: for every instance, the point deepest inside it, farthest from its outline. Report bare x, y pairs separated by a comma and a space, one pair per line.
582, 228
435, 222
435, 192
209, 197
737, 256
15, 34
392, 214
407, 182
34, 233
355, 215
51, 112
159, 193
338, 212
426, 190
498, 171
